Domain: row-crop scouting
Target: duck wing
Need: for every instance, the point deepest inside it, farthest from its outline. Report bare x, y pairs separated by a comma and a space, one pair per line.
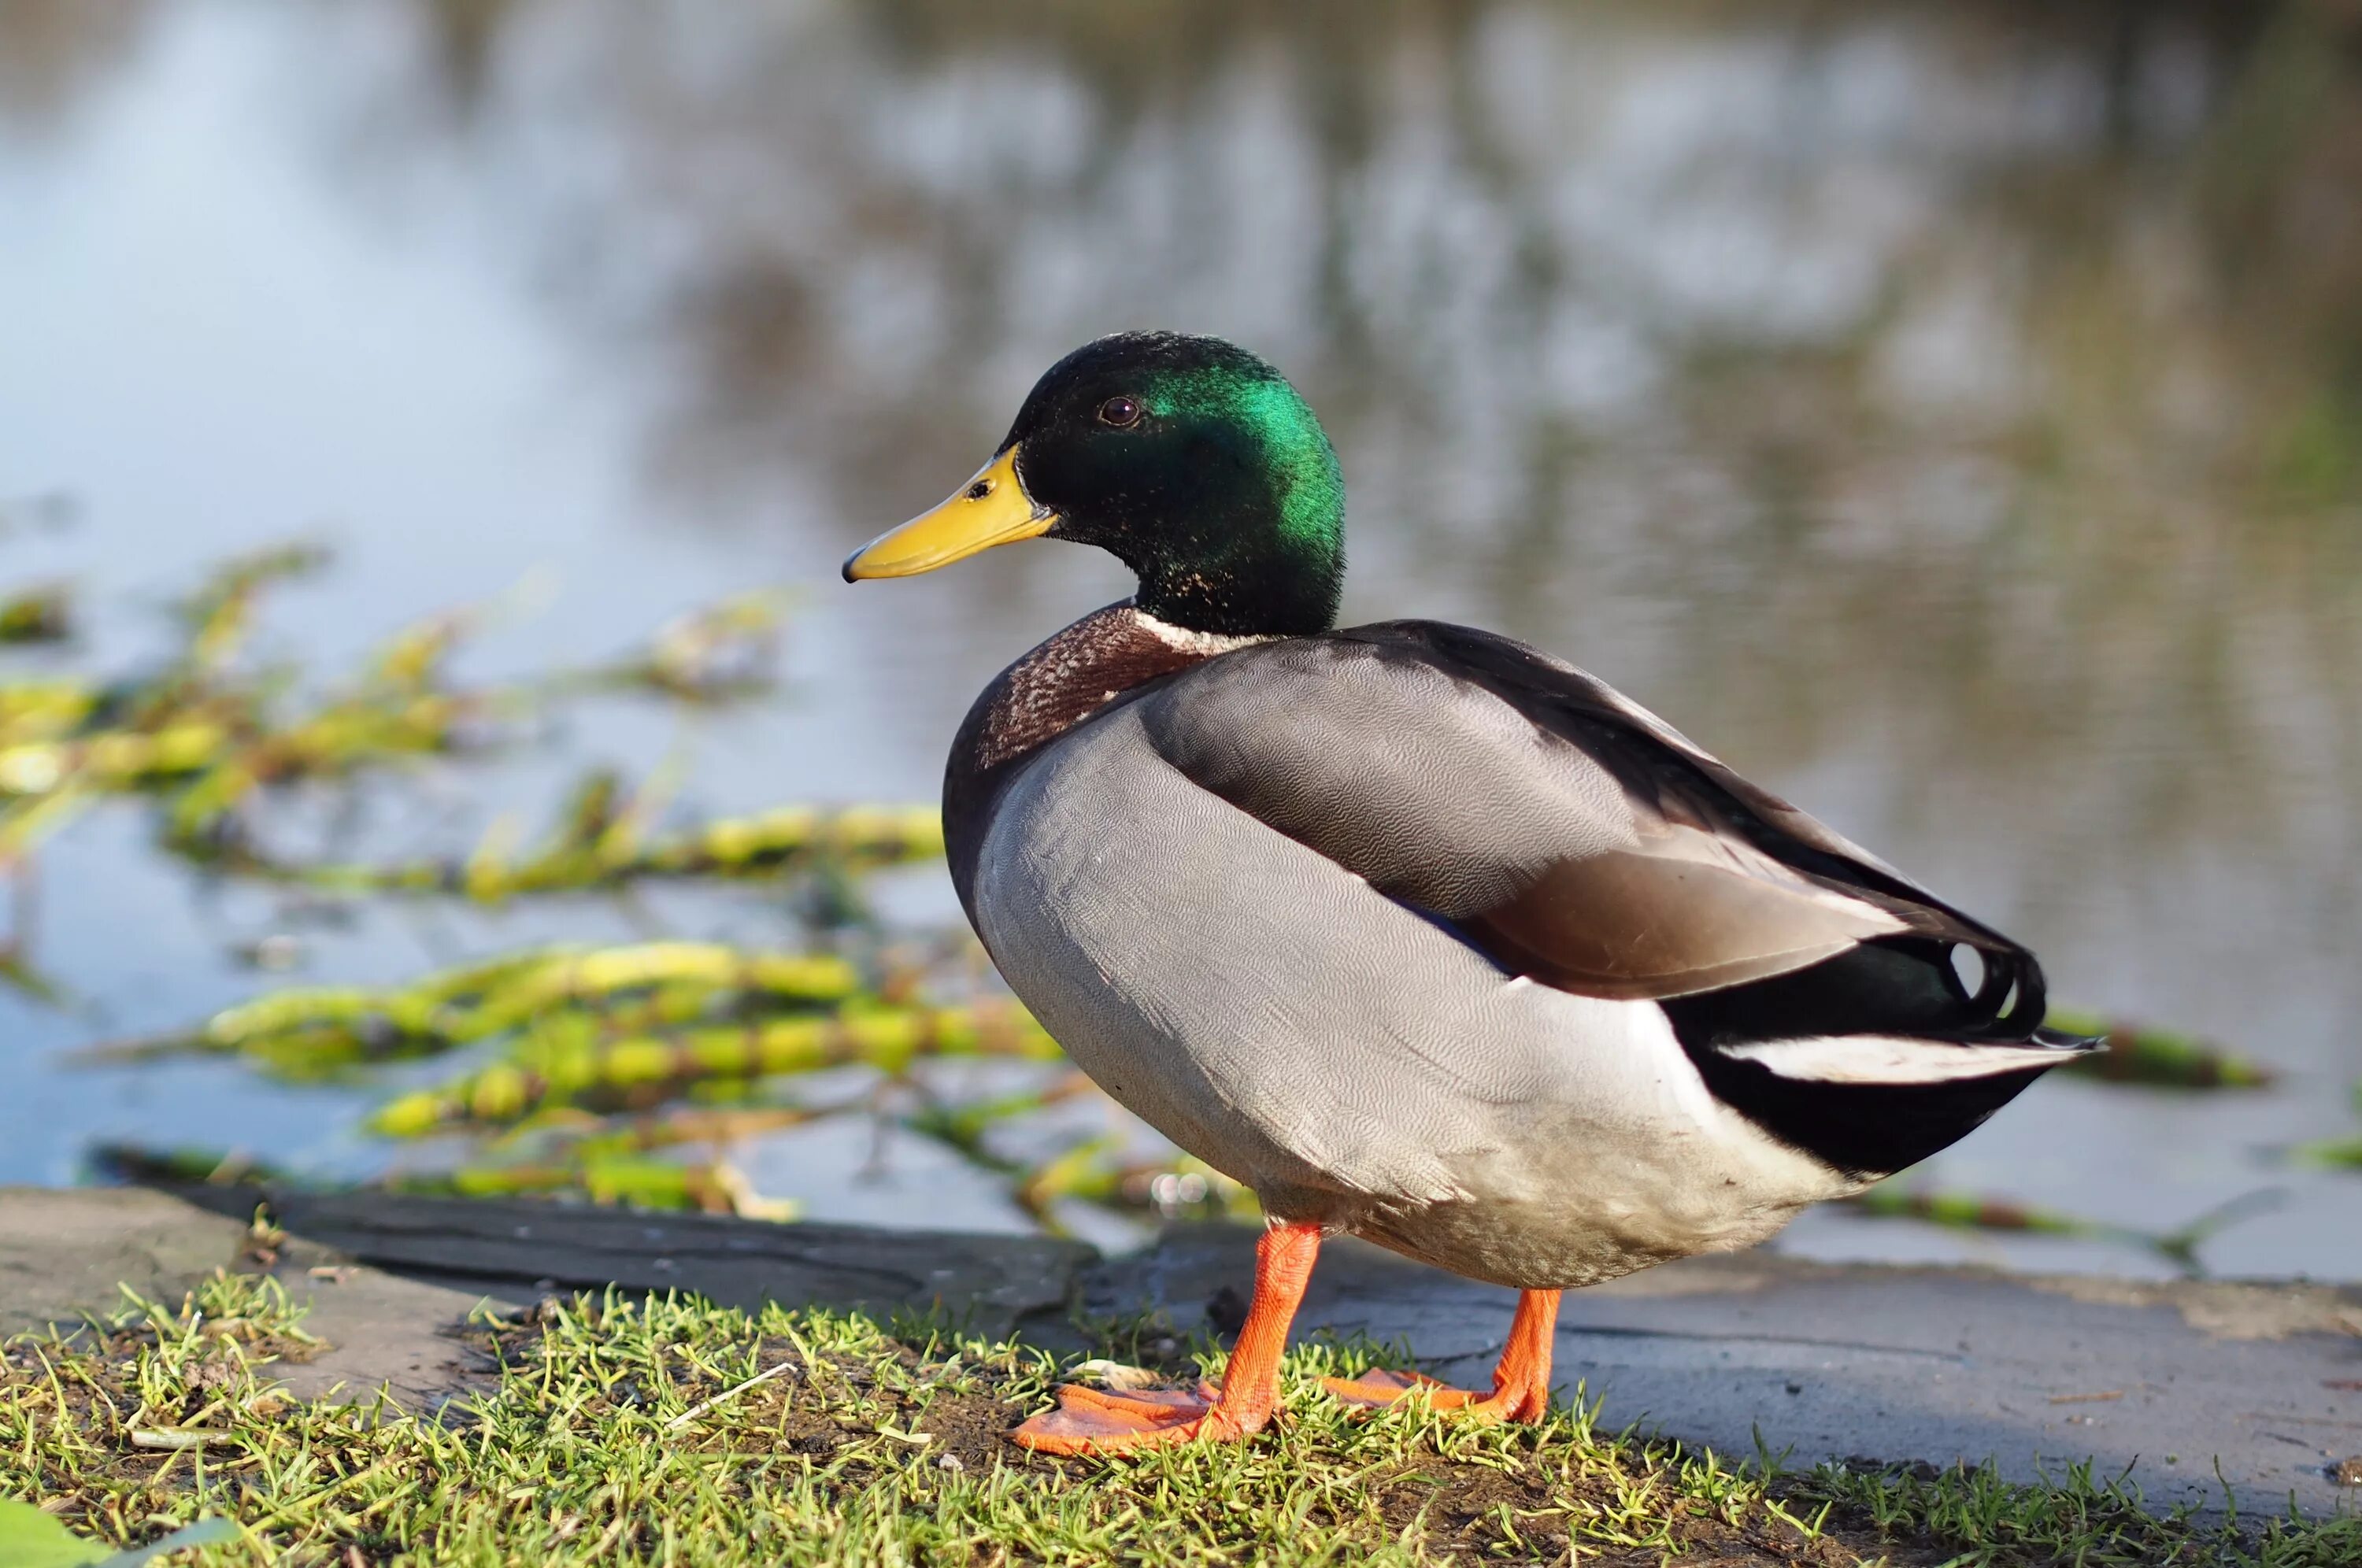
1576, 839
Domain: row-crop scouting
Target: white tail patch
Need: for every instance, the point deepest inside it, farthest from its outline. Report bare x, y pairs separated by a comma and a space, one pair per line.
1889, 1059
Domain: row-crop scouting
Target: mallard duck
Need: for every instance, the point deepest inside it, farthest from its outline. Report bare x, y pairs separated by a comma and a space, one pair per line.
1422, 934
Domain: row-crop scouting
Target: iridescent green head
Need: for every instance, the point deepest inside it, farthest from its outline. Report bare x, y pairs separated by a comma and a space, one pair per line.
1189, 458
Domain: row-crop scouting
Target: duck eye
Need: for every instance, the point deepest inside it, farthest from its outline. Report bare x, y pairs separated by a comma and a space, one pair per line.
1120, 411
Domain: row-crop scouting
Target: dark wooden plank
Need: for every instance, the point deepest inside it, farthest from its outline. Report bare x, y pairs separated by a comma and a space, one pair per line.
521, 1250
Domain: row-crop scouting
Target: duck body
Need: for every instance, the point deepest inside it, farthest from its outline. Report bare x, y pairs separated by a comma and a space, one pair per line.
1256, 888
1421, 933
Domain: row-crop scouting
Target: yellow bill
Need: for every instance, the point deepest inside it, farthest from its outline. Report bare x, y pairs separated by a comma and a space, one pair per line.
990, 509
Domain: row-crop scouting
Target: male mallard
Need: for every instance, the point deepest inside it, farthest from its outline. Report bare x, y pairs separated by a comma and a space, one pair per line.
1420, 933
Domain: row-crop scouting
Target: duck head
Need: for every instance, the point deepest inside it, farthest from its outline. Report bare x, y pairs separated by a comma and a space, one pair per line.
1188, 458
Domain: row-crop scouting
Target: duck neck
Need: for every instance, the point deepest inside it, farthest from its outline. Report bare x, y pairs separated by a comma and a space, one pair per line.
1250, 588
1262, 551
1065, 680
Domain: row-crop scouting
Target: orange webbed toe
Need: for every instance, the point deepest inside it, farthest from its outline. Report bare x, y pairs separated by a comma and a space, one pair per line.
1108, 1421
1376, 1388
1381, 1386
1102, 1420
1521, 1384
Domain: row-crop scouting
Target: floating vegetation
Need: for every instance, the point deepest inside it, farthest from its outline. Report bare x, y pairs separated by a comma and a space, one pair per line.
614, 1028
2343, 1153
711, 655
208, 730
2138, 1054
36, 616
318, 1032
1962, 1211
602, 843
576, 1063
606, 1162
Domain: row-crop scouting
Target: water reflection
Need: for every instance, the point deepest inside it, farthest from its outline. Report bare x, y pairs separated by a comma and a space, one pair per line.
1967, 396
55, 52
1953, 413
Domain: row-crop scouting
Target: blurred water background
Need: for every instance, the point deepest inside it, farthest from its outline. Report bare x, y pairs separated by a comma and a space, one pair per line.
1951, 414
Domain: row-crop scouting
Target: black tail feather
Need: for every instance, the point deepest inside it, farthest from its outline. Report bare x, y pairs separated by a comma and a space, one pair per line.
1904, 987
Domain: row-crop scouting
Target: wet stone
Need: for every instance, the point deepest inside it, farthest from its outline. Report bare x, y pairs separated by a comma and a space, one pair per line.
64, 1253
1929, 1366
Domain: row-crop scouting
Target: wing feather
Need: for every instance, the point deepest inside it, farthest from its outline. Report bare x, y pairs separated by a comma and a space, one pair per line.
1561, 828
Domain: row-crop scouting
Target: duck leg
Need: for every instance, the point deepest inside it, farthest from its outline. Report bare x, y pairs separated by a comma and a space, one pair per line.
1520, 1383
1099, 1420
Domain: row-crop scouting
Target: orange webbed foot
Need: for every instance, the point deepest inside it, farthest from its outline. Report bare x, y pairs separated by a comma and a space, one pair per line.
1521, 1384
1105, 1420
1379, 1387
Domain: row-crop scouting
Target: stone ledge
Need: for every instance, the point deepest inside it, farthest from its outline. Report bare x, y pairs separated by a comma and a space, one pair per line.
66, 1252
1916, 1364
2263, 1379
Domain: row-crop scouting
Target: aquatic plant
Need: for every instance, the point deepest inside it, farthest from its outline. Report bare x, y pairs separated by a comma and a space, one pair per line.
1968, 1211
2162, 1058
208, 731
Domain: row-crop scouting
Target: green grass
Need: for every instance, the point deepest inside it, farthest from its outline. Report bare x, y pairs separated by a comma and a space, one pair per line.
625, 1431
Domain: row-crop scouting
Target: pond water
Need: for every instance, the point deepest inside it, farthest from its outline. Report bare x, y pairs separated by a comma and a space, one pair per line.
1950, 413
